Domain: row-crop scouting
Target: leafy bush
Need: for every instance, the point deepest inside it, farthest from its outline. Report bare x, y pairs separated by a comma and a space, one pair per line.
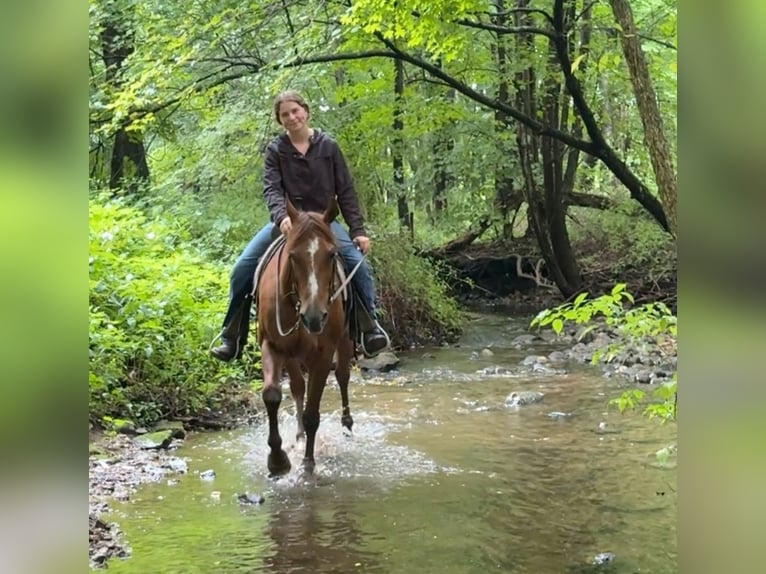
651, 321
413, 299
154, 308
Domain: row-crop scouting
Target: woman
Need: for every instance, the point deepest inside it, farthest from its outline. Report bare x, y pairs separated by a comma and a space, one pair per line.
307, 166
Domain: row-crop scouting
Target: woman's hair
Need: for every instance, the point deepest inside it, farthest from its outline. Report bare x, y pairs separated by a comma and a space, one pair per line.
289, 96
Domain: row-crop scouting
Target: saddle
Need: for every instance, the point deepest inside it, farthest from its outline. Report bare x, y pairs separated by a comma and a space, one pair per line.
358, 319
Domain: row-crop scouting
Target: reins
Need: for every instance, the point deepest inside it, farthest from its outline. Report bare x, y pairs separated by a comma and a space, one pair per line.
281, 332
333, 297
346, 280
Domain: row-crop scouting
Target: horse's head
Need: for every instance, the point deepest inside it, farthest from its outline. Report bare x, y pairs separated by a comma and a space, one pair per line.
312, 253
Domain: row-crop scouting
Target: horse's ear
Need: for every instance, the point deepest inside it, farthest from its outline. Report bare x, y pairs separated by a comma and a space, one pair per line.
292, 213
332, 211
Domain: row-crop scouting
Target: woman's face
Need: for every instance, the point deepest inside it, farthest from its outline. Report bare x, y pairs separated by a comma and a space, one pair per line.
292, 116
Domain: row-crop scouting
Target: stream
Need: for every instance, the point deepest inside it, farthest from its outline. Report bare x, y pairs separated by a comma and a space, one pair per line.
440, 476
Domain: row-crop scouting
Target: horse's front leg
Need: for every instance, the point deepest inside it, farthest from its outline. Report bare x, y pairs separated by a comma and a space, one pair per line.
343, 374
271, 364
298, 390
317, 380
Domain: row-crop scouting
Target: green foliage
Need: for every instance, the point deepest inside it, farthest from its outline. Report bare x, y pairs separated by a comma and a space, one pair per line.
197, 83
648, 322
413, 299
154, 308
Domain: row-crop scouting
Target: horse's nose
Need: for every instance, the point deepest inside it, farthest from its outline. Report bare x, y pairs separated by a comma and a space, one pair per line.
314, 320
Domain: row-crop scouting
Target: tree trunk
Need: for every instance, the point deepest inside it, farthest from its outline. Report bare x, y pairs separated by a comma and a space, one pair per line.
504, 202
128, 160
659, 150
397, 158
546, 199
442, 150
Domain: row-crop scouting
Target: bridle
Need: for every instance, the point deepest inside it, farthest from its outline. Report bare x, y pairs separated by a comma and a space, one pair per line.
340, 290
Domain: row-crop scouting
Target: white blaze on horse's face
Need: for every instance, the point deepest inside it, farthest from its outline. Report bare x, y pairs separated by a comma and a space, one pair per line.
313, 282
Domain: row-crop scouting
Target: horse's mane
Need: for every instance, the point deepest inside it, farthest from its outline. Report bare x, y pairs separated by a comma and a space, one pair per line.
310, 223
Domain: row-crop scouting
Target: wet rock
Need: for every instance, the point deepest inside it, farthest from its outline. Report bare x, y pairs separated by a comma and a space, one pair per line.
524, 340
644, 376
248, 498
427, 356
155, 440
104, 541
494, 370
487, 353
551, 337
474, 356
207, 474
603, 428
126, 427
603, 558
519, 398
546, 370
384, 362
177, 465
530, 360
558, 415
557, 356
177, 428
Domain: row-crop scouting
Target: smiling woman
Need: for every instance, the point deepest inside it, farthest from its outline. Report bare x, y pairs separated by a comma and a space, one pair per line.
306, 166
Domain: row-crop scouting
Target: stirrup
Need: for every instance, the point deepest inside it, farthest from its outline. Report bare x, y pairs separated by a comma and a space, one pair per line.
383, 348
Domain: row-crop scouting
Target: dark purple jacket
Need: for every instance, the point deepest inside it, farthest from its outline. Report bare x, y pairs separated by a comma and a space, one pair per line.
310, 181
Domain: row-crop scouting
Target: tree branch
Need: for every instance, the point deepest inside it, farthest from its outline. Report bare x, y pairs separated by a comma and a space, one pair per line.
589, 200
535, 125
497, 29
603, 150
503, 30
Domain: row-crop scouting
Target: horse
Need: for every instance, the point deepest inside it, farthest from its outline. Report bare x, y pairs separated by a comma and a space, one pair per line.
302, 325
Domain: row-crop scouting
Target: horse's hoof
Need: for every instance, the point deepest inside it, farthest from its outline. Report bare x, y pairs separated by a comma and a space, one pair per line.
308, 465
278, 463
347, 421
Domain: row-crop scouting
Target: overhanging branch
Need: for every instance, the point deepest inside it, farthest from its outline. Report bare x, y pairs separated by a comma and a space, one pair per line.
535, 125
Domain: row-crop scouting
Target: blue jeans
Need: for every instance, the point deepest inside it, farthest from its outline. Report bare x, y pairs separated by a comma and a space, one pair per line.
237, 321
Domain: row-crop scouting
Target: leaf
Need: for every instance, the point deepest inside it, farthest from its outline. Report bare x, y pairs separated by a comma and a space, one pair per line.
580, 298
576, 62
557, 325
585, 331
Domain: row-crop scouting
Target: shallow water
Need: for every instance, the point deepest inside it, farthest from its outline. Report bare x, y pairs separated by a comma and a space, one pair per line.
439, 476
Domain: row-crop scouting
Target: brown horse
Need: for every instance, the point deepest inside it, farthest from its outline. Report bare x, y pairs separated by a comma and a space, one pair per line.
301, 325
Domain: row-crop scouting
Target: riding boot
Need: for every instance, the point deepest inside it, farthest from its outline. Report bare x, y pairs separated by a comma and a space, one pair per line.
235, 331
373, 339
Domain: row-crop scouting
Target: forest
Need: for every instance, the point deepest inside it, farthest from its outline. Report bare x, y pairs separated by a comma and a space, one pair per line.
520, 151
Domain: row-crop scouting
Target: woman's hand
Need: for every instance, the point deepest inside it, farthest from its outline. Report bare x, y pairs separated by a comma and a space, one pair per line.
285, 225
363, 243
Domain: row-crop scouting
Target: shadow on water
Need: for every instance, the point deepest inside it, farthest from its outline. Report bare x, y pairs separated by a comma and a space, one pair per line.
439, 476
